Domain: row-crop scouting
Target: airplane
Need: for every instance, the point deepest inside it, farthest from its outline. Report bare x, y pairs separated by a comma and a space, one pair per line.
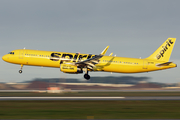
76, 63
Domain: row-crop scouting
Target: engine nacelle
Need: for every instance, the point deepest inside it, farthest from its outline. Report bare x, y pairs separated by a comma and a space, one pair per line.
72, 69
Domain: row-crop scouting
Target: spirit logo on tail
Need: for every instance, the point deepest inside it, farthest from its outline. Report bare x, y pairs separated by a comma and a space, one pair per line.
161, 53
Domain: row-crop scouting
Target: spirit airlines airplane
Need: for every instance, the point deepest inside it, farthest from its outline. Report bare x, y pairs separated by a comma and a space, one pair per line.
76, 63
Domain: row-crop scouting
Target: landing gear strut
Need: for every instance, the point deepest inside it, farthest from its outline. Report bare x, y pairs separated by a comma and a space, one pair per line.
20, 71
86, 76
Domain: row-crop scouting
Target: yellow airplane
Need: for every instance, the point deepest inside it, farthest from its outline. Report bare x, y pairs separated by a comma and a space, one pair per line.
76, 63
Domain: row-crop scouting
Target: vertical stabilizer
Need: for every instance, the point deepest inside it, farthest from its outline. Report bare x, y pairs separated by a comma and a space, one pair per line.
163, 53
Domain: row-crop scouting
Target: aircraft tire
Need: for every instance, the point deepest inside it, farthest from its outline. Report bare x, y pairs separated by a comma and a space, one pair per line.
86, 76
20, 71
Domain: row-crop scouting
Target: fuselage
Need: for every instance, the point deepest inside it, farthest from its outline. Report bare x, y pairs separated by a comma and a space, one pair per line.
106, 63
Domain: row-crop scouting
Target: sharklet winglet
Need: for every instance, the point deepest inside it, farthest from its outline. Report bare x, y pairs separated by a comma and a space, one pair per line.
104, 51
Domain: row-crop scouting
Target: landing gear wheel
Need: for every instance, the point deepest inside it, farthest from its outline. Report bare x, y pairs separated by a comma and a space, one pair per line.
86, 76
20, 71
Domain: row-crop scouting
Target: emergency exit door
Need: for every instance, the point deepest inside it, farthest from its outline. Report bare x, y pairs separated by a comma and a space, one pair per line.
21, 54
145, 64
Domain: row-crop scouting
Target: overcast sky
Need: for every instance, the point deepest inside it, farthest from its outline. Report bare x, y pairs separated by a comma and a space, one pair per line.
132, 28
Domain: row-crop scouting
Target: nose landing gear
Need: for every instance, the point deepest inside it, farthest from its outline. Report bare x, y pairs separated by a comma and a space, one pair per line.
20, 71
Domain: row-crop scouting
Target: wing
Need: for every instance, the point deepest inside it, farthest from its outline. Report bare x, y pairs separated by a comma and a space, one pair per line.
90, 63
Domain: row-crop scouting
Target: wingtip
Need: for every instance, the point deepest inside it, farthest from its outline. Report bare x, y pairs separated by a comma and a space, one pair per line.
104, 51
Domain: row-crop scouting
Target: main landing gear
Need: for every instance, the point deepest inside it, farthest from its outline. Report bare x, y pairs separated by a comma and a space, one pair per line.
20, 71
86, 76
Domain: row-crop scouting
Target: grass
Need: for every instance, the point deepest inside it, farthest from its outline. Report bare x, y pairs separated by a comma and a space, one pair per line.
83, 109
85, 94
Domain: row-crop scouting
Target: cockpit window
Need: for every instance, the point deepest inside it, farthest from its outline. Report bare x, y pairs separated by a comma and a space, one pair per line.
12, 53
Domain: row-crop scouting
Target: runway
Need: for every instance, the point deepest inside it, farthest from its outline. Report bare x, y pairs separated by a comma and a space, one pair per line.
90, 98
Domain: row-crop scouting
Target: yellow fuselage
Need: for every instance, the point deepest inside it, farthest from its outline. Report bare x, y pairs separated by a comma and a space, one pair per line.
106, 63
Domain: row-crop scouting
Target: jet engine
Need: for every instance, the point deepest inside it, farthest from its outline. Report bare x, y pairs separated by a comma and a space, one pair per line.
72, 69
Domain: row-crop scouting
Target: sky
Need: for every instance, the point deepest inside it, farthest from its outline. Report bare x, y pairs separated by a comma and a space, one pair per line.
132, 28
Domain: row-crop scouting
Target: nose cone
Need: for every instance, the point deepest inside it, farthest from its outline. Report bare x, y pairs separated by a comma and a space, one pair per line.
5, 58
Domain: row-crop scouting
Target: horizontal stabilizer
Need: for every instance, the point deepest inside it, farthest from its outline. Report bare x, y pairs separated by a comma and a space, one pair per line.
164, 64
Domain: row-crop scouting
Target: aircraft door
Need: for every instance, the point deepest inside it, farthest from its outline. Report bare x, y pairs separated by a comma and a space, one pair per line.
21, 54
145, 64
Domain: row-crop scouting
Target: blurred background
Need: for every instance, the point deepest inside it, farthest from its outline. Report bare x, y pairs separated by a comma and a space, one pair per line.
96, 84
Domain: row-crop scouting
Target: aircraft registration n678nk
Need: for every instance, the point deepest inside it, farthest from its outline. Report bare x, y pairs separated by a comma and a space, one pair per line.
76, 63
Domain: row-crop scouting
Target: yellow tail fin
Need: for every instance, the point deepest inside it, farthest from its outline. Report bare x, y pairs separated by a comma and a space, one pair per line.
163, 53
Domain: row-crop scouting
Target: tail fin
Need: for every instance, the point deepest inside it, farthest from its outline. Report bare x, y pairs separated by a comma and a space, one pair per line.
163, 53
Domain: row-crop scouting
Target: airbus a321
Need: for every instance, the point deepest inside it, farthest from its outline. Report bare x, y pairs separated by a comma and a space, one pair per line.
75, 63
